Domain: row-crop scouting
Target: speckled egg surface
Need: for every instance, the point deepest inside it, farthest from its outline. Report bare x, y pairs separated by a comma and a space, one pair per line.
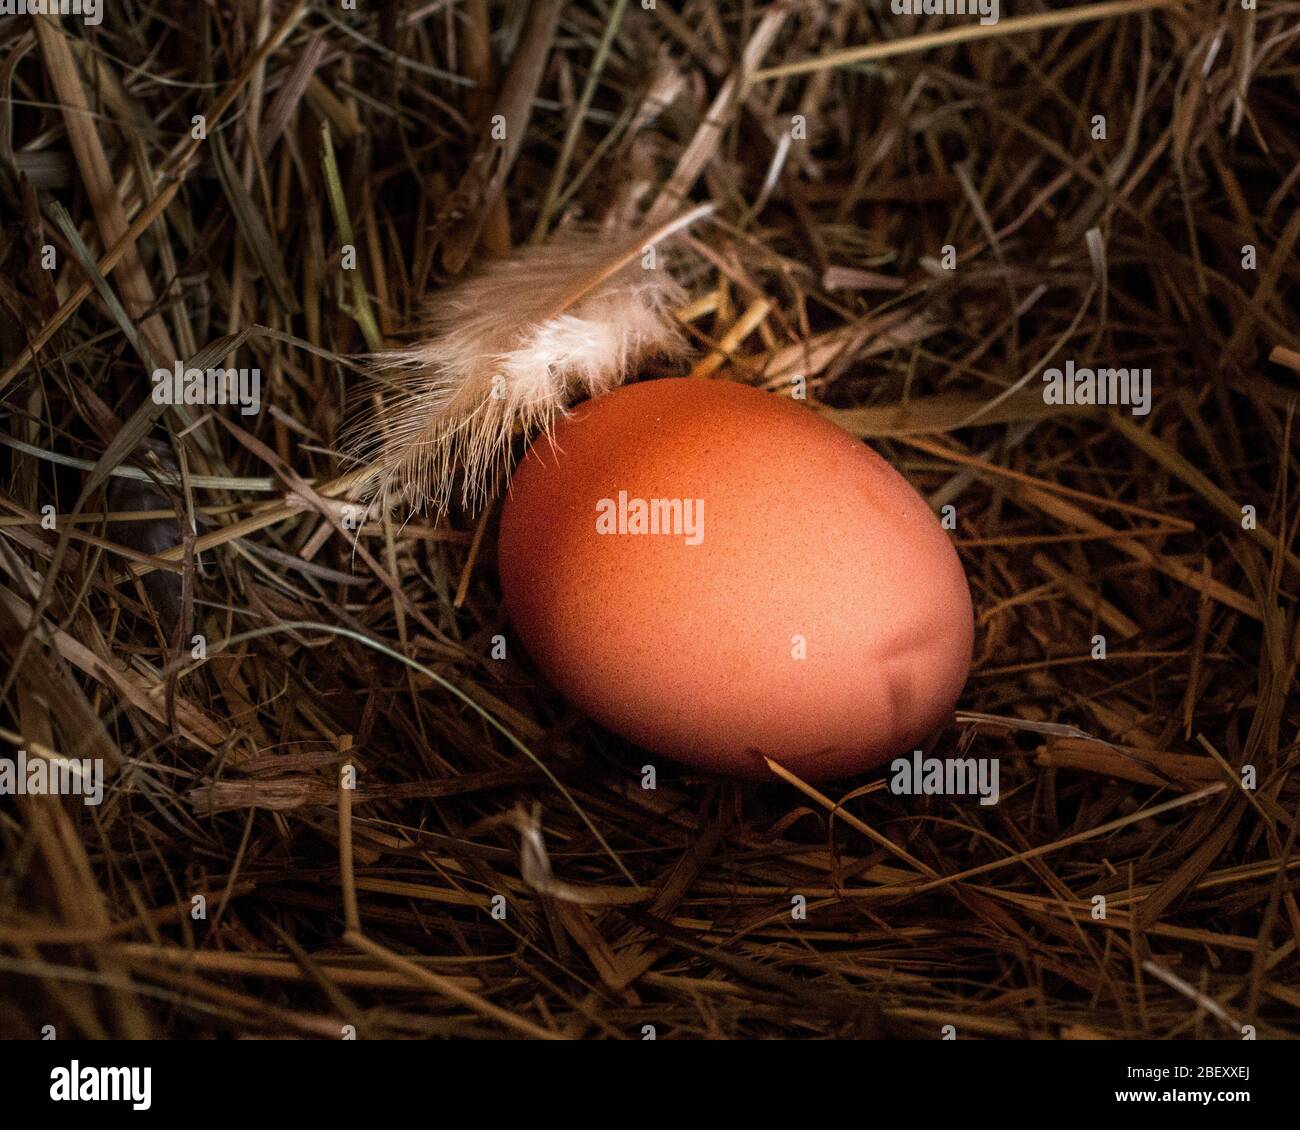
715, 572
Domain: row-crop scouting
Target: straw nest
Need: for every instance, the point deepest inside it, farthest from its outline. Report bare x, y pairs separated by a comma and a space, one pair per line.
1117, 183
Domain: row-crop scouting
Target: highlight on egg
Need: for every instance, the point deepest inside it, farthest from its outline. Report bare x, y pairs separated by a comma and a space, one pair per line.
719, 575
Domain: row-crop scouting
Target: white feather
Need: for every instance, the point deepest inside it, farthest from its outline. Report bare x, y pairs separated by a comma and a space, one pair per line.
506, 352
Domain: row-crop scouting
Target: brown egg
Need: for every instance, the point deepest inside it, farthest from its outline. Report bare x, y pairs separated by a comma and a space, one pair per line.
715, 572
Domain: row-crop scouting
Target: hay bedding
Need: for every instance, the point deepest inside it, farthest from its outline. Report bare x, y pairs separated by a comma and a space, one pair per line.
853, 156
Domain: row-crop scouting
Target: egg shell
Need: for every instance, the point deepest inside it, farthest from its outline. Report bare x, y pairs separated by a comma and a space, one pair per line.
822, 619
